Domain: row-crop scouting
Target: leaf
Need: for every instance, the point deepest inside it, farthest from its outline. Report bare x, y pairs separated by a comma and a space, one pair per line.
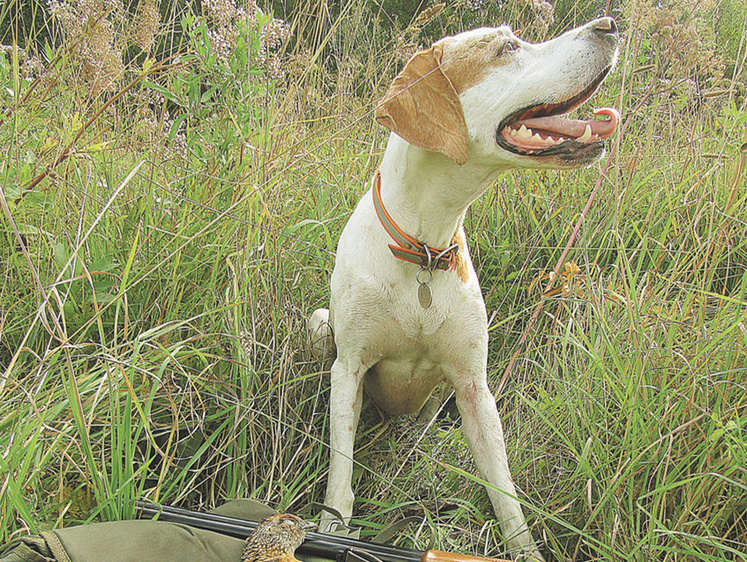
60, 254
176, 124
31, 230
12, 191
98, 147
48, 51
148, 64
166, 93
48, 143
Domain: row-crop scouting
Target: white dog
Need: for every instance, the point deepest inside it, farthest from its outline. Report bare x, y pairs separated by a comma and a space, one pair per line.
406, 309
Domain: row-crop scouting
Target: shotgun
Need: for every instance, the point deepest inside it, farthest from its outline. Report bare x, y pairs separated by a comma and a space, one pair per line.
316, 544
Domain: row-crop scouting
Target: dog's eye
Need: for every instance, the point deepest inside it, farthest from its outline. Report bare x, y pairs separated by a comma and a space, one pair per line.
508, 47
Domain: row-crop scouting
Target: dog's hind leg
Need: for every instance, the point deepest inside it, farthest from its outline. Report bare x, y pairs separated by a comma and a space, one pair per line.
320, 334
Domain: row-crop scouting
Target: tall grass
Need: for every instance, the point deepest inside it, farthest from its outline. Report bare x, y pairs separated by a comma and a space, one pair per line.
168, 225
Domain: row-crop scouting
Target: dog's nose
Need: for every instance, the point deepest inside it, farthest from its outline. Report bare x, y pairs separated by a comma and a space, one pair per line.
605, 26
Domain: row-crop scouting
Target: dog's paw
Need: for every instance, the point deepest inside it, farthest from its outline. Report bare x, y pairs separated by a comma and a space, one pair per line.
321, 338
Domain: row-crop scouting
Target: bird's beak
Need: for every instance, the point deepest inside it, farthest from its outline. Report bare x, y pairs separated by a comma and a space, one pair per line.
309, 526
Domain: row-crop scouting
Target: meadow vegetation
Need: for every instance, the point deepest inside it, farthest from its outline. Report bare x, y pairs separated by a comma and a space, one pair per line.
172, 186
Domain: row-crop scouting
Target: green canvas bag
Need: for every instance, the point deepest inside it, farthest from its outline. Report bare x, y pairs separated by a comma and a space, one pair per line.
136, 541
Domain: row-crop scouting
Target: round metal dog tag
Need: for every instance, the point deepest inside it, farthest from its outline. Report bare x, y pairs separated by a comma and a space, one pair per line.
425, 297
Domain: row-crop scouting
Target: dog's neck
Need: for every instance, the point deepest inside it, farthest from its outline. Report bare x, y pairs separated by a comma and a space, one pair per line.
426, 193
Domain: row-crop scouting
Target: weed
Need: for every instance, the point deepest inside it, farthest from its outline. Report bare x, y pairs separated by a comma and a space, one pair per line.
173, 185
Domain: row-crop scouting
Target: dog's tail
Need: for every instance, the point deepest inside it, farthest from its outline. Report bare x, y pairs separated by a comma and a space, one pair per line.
321, 338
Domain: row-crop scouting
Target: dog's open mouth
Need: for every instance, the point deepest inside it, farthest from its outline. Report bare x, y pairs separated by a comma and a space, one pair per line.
539, 131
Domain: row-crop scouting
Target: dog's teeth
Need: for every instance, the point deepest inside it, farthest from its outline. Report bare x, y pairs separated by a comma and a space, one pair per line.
524, 133
586, 137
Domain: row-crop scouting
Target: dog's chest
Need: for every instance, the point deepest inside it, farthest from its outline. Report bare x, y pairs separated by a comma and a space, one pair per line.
413, 316
411, 339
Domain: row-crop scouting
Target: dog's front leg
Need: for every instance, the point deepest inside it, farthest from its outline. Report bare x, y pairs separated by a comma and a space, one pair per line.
482, 427
345, 406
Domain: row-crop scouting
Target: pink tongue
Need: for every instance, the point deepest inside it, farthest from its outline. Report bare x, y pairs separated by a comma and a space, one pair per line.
574, 128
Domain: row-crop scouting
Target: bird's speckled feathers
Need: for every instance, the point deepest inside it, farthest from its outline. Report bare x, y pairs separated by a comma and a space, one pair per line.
276, 538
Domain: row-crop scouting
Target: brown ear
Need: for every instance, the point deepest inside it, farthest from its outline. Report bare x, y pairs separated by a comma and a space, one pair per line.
423, 107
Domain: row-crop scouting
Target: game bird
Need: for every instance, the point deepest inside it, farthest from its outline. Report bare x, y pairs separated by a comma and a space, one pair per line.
276, 539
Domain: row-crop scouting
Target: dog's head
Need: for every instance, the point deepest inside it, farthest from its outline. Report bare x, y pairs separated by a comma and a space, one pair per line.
489, 97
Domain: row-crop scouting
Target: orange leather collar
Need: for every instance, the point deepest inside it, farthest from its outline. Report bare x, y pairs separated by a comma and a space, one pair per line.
408, 248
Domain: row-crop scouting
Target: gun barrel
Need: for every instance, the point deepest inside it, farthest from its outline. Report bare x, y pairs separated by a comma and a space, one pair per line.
316, 544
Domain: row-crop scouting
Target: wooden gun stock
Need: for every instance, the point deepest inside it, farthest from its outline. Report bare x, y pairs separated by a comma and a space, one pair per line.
441, 556
316, 544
